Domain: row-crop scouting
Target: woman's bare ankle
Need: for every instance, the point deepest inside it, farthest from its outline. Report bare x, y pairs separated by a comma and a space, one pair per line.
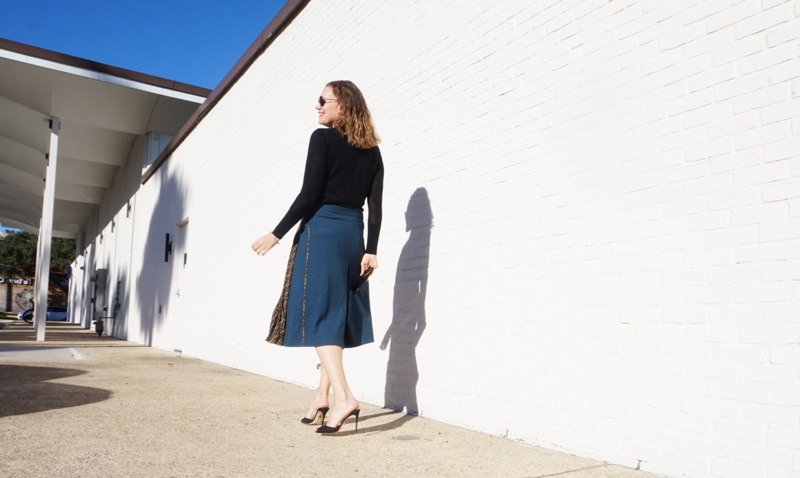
344, 406
320, 401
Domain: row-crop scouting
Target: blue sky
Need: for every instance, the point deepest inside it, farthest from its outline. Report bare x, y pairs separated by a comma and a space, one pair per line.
191, 41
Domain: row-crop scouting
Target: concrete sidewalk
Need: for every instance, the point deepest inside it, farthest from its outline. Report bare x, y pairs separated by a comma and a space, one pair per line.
82, 406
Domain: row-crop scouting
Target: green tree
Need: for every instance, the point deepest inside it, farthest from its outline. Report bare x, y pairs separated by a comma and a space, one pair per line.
18, 254
62, 254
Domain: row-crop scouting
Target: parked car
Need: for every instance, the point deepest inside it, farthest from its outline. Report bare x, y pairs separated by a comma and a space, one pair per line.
54, 312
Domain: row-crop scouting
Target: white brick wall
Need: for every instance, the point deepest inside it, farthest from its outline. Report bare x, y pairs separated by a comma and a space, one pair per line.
614, 267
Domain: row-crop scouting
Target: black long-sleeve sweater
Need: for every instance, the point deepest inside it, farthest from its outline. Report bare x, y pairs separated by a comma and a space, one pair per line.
338, 173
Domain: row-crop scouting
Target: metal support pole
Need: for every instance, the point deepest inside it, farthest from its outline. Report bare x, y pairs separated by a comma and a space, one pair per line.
46, 234
36, 299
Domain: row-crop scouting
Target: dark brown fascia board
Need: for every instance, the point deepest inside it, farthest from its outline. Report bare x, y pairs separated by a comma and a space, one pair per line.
284, 17
85, 64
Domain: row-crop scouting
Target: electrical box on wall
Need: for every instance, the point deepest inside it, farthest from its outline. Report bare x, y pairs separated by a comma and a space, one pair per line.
99, 293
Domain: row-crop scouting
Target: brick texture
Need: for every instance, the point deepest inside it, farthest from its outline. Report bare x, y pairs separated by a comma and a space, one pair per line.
590, 221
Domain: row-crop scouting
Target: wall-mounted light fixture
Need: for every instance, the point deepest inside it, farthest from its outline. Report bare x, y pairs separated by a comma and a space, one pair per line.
167, 249
128, 211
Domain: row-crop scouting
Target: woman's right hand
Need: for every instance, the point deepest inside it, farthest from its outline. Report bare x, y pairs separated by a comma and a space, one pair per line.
263, 244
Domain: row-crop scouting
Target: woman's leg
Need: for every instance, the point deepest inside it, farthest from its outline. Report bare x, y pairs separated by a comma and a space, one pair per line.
321, 397
344, 401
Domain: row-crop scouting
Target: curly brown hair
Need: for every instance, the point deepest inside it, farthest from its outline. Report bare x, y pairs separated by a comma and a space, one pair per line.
355, 120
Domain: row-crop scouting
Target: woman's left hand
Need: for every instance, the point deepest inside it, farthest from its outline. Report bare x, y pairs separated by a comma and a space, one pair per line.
368, 261
263, 244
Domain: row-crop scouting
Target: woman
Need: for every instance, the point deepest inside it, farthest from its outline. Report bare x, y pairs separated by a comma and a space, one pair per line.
343, 169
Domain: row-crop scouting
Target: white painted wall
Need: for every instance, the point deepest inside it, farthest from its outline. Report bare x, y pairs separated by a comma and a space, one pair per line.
614, 264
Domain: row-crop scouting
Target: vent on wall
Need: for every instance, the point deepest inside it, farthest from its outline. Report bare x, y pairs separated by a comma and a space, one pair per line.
154, 145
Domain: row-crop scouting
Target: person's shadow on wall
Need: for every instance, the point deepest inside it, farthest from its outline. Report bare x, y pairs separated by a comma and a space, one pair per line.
408, 319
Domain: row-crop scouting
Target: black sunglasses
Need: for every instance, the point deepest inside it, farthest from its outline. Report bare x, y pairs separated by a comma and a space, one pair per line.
322, 101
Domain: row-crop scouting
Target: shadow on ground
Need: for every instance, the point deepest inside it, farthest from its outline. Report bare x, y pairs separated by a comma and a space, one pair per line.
25, 389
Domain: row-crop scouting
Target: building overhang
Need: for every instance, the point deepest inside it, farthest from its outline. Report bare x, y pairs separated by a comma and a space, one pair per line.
102, 111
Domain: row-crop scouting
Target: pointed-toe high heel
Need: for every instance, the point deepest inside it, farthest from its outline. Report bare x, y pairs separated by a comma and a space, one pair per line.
320, 411
327, 429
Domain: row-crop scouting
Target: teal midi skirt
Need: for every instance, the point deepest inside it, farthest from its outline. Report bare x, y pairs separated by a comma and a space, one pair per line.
322, 307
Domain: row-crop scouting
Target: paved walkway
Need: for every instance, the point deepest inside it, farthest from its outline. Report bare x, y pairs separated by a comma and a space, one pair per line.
82, 406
